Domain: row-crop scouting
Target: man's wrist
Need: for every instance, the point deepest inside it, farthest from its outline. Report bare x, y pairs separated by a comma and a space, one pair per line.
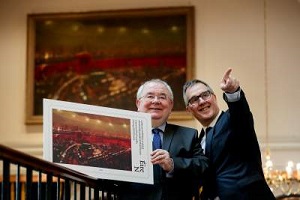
233, 97
171, 166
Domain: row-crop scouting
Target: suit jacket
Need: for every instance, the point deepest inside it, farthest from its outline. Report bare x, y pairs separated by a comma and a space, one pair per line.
189, 164
235, 158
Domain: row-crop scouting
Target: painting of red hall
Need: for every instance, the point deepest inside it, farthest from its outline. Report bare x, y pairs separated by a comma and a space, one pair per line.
101, 58
91, 140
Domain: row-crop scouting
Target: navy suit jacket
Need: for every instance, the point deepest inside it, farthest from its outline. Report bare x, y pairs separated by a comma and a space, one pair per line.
233, 150
189, 164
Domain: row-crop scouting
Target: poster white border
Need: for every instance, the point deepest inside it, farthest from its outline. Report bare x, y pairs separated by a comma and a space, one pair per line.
141, 145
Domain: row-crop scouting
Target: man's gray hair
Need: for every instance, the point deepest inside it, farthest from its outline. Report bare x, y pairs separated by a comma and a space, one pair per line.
141, 88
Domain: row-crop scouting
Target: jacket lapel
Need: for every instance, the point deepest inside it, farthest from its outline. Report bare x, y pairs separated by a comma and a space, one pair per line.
168, 136
210, 137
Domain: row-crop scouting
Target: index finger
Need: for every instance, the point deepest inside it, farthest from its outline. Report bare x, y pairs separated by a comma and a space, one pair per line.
156, 151
227, 74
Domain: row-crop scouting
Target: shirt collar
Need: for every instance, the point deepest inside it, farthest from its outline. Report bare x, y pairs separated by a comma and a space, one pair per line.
161, 127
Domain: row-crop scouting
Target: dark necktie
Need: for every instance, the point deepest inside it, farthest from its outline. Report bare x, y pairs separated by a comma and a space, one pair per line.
208, 141
202, 137
201, 134
156, 139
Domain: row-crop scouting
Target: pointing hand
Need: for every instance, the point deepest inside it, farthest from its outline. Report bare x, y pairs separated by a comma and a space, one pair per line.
229, 84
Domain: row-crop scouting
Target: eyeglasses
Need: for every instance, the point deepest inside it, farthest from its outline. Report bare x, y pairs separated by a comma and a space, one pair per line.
151, 97
204, 96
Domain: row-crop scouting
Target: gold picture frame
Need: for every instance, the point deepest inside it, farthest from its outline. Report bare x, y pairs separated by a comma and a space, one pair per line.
100, 58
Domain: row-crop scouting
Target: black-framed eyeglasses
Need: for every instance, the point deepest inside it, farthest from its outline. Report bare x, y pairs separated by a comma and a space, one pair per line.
204, 96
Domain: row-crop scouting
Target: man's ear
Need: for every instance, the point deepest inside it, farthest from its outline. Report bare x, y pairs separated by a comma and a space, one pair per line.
187, 108
172, 102
137, 103
172, 105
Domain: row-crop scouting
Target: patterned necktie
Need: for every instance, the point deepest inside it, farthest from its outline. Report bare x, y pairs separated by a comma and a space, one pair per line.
156, 139
157, 171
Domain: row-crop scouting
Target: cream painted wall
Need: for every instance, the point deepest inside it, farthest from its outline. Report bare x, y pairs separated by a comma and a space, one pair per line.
228, 34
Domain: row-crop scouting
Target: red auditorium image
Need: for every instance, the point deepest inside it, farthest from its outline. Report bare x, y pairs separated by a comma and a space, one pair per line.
91, 140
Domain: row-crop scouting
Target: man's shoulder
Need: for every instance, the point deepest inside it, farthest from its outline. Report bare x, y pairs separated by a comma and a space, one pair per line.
180, 128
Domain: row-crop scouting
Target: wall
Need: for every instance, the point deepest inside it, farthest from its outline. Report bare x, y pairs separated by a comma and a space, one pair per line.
263, 50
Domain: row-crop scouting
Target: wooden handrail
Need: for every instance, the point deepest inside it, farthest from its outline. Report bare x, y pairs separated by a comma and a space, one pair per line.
48, 173
44, 166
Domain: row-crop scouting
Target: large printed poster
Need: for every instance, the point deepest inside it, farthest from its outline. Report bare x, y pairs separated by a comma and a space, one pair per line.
101, 142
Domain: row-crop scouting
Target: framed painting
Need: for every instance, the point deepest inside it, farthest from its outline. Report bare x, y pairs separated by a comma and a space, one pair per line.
101, 58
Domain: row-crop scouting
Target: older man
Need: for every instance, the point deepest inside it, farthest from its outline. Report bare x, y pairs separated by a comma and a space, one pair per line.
179, 161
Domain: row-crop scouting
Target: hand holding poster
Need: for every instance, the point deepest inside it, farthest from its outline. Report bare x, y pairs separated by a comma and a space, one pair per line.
101, 142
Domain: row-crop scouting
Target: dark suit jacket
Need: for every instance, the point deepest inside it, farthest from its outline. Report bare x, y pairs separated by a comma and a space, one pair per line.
235, 159
189, 164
